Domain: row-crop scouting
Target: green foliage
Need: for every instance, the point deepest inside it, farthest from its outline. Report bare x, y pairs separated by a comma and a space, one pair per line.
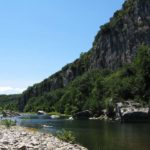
7, 123
119, 85
66, 136
128, 6
82, 93
118, 16
142, 63
105, 28
54, 113
142, 60
9, 102
45, 102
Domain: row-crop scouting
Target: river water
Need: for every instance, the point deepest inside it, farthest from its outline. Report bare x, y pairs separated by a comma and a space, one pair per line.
95, 134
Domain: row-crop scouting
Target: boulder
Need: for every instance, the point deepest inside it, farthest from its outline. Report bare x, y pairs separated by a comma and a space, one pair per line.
55, 116
130, 111
136, 116
22, 146
50, 146
41, 112
70, 118
5, 142
86, 114
4, 147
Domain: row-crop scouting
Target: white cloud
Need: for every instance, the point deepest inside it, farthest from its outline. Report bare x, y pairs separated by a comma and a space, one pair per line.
10, 90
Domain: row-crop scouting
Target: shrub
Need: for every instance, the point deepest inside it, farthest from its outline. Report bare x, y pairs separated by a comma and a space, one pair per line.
105, 28
66, 136
8, 123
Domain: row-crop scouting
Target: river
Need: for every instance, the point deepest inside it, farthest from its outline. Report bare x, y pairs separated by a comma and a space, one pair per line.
95, 134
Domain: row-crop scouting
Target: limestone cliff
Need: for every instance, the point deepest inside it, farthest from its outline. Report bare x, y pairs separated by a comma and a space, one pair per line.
115, 45
117, 41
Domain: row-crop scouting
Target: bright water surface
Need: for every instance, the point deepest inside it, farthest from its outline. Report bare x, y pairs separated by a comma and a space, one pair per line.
95, 134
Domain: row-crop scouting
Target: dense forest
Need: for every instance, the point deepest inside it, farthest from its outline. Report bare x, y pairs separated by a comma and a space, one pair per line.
9, 102
116, 68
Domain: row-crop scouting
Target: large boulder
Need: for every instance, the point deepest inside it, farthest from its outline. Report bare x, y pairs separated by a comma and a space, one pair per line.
86, 114
41, 112
130, 111
136, 116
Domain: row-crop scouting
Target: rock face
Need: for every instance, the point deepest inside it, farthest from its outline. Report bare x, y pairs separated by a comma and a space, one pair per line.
115, 45
18, 138
130, 111
117, 42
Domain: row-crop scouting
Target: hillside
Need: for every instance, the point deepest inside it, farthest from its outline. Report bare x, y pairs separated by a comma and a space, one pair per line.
107, 73
9, 102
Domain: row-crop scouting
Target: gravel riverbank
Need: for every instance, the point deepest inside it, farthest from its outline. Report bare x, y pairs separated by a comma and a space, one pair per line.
20, 138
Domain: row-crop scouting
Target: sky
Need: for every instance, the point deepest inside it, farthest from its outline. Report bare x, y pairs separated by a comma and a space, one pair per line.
39, 37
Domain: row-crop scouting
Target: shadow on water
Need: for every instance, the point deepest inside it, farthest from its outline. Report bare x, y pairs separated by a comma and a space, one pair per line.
95, 134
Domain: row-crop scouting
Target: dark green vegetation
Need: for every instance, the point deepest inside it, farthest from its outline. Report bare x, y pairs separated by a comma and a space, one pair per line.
116, 68
118, 16
9, 102
7, 123
66, 136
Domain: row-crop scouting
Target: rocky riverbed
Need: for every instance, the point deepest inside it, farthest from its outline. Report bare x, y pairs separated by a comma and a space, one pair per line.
19, 138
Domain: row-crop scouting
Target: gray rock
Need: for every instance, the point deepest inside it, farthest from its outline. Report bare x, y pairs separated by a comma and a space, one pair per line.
34, 142
5, 142
130, 111
24, 133
50, 146
41, 112
22, 146
82, 115
22, 139
4, 147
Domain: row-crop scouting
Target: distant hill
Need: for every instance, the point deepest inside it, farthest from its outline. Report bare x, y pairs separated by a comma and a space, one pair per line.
110, 71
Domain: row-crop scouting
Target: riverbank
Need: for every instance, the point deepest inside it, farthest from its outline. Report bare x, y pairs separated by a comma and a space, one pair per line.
20, 138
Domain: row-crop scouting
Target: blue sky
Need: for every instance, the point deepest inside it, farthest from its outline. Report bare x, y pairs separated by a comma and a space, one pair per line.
38, 37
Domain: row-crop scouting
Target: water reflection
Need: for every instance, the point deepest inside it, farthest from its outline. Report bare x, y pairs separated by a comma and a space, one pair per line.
96, 135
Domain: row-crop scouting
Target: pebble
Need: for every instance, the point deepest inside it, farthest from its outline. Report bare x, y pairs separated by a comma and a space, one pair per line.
20, 138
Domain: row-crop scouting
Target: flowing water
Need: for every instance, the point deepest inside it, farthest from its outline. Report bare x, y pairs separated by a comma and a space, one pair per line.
95, 134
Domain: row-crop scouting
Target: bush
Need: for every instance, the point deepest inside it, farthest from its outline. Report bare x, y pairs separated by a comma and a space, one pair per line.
105, 28
66, 136
8, 123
